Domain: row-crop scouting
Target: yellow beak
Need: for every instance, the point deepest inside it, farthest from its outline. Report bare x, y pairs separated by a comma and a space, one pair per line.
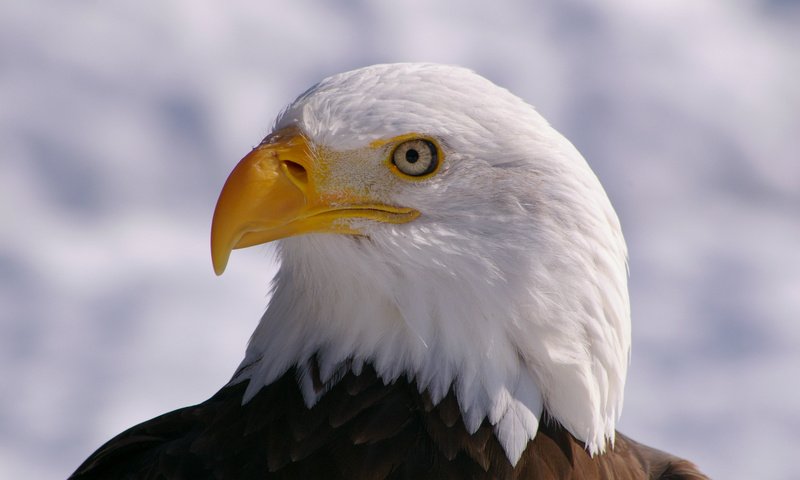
274, 192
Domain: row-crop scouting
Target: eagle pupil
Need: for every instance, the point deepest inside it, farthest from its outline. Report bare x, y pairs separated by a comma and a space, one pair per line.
412, 156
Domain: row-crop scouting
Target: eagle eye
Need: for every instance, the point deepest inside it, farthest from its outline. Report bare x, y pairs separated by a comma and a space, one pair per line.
416, 157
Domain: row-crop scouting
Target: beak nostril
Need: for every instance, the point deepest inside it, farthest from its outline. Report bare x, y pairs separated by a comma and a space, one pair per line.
296, 173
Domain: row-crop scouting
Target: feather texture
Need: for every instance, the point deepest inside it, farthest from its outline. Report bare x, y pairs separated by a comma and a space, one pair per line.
361, 429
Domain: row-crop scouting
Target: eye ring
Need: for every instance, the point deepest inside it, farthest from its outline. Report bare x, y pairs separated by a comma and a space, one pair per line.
416, 158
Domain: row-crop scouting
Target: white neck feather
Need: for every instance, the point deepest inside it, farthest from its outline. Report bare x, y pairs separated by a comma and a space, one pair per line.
454, 319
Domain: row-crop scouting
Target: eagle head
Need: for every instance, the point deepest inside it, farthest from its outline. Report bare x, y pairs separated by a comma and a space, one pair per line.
435, 226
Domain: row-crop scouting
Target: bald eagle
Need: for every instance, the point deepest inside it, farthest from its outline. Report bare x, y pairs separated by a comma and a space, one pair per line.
451, 300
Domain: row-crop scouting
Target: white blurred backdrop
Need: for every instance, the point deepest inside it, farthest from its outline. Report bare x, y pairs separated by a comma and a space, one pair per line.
119, 122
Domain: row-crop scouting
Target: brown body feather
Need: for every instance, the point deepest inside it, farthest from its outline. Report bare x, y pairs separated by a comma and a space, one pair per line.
360, 429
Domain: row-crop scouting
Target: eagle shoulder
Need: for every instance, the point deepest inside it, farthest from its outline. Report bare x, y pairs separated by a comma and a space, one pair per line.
360, 428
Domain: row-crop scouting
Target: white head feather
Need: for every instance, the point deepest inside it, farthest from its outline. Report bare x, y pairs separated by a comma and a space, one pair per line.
509, 288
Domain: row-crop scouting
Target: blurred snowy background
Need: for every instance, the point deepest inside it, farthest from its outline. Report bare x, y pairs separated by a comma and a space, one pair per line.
119, 122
